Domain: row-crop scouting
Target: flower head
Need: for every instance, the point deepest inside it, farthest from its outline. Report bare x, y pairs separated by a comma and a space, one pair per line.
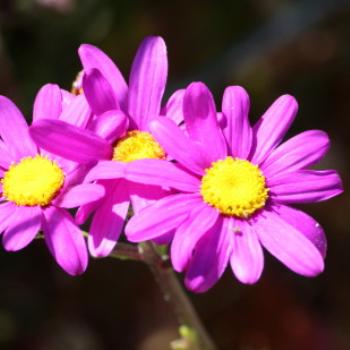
117, 133
234, 184
38, 186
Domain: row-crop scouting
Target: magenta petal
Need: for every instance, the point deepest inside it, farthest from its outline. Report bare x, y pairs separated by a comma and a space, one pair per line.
74, 172
65, 241
24, 226
98, 92
173, 108
106, 170
143, 195
272, 126
109, 219
247, 260
85, 211
177, 145
165, 239
304, 224
48, 103
201, 120
5, 157
201, 219
147, 81
67, 98
77, 112
156, 172
7, 211
14, 130
80, 195
210, 259
305, 186
69, 141
238, 133
110, 125
161, 217
288, 245
299, 152
92, 57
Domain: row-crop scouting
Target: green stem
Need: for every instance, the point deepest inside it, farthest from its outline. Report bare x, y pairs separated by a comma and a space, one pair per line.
125, 251
171, 288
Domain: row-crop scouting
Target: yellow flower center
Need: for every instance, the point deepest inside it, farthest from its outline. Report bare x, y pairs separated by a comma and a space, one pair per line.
137, 145
32, 181
235, 187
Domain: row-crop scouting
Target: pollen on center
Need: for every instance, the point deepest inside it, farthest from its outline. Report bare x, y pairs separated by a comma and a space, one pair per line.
136, 145
32, 181
236, 187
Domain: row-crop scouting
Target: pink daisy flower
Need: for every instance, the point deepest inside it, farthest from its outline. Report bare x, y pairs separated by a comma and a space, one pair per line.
235, 184
118, 133
37, 186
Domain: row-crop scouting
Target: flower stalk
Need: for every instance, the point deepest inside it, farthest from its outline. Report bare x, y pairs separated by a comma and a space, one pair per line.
193, 333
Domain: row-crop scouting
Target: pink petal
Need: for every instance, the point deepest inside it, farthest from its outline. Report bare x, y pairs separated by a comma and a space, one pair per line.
272, 126
5, 157
201, 120
247, 260
74, 172
77, 112
14, 130
65, 241
299, 152
98, 92
92, 57
305, 186
85, 211
288, 245
69, 141
210, 259
24, 225
161, 217
177, 145
48, 103
173, 108
106, 170
305, 224
238, 133
147, 81
201, 219
143, 195
165, 239
110, 125
80, 195
109, 219
155, 172
7, 211
67, 98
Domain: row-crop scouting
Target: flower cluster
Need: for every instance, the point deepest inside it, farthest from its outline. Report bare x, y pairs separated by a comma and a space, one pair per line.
206, 182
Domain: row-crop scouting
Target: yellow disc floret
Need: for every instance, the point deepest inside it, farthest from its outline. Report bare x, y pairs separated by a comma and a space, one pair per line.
32, 181
137, 145
235, 187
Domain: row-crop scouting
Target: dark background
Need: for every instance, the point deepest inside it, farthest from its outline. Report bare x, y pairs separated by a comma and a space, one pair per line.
270, 47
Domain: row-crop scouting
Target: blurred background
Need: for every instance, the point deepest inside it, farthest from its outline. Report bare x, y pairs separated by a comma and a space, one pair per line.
270, 47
